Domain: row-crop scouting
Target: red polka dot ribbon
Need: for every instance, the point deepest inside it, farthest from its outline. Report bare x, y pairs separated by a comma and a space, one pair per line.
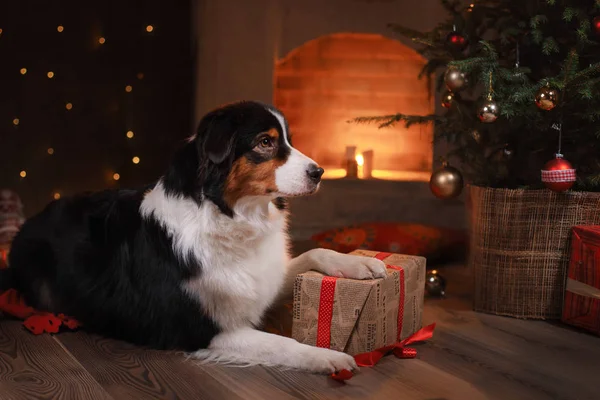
325, 311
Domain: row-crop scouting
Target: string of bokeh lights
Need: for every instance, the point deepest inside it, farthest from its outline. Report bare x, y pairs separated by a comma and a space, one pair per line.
69, 106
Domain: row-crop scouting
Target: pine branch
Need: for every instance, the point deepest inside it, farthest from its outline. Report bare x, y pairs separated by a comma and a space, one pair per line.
568, 69
469, 64
550, 46
594, 180
537, 36
589, 183
514, 75
392, 119
488, 48
593, 117
537, 20
586, 93
583, 31
589, 73
569, 13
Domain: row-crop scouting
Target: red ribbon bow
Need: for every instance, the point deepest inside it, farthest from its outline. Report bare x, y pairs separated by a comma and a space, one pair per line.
371, 358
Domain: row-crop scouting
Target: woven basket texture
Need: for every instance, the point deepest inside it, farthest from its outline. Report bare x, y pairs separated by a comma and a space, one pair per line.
520, 248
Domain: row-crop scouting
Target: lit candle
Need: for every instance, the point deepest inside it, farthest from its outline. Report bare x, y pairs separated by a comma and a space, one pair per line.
351, 164
368, 164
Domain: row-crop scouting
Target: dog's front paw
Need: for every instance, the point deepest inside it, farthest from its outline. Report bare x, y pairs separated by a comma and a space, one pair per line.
326, 361
349, 266
360, 267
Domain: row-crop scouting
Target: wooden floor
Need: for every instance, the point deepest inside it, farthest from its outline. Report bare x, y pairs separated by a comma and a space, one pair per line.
471, 356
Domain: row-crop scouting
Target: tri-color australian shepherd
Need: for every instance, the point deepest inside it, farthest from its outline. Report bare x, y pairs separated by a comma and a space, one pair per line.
192, 262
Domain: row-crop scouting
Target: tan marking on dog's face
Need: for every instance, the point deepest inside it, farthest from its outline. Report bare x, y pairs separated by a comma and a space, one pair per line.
248, 178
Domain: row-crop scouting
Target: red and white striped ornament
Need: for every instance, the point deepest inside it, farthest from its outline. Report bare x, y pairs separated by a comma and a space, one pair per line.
558, 174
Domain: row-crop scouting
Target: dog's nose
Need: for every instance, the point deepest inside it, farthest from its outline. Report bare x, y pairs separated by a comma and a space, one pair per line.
315, 172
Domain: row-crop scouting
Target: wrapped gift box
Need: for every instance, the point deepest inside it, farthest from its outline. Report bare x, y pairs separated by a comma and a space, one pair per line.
357, 316
581, 305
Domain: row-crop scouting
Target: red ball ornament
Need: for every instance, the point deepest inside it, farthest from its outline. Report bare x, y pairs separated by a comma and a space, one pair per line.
457, 41
558, 174
596, 24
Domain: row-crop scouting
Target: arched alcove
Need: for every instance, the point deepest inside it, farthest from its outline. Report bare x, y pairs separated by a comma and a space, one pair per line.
334, 78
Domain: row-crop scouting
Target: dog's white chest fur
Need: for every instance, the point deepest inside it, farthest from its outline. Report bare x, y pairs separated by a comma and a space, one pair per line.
239, 280
243, 258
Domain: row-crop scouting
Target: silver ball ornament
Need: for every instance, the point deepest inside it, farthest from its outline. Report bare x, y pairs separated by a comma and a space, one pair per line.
455, 79
446, 182
435, 284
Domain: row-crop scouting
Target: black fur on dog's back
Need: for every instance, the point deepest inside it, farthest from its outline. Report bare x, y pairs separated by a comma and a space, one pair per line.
115, 266
7, 280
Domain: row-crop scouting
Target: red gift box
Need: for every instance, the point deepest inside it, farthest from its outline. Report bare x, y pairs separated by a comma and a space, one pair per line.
581, 307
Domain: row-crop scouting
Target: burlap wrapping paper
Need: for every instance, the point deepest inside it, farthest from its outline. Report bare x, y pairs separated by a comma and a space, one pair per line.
365, 312
520, 249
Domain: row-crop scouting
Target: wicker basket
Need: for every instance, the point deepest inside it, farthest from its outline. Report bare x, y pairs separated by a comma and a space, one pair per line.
520, 248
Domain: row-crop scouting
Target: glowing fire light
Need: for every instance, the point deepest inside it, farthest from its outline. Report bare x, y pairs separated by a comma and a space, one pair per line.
360, 160
338, 173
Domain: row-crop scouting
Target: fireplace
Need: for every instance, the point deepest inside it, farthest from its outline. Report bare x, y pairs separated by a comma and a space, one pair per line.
324, 63
327, 81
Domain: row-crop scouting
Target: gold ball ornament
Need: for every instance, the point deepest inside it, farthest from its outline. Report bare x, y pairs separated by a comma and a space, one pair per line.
447, 99
488, 110
546, 98
455, 79
446, 182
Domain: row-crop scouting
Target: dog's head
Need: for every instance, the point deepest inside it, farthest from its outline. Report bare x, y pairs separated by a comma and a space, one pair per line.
241, 150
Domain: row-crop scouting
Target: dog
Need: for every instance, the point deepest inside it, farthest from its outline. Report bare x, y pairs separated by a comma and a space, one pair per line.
193, 261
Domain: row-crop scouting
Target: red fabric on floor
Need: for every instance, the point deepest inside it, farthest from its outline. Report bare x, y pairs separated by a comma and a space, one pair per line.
37, 322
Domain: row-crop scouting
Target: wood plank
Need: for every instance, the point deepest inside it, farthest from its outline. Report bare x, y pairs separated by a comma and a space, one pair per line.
37, 367
409, 379
301, 385
429, 381
465, 361
128, 372
509, 358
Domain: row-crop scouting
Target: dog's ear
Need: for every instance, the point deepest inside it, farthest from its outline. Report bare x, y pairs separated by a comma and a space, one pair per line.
217, 138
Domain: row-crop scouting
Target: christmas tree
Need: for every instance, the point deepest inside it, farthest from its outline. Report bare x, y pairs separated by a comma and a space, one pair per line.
520, 81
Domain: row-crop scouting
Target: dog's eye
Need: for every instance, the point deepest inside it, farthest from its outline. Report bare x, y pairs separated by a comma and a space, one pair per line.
266, 142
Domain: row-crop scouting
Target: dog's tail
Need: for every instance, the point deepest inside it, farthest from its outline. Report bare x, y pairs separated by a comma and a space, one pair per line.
7, 279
